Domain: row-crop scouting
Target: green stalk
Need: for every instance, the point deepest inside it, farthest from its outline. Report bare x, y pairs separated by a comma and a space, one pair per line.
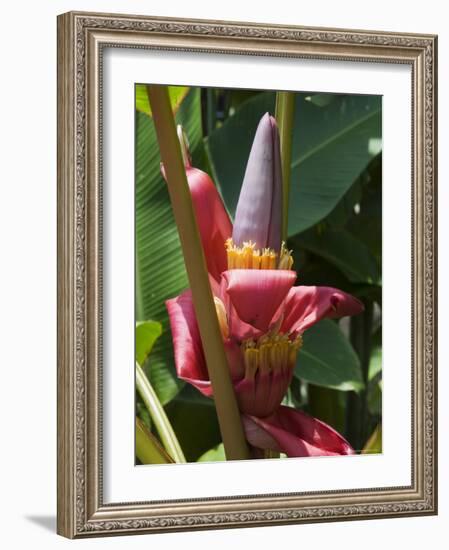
148, 449
158, 416
284, 114
365, 360
357, 406
325, 404
229, 419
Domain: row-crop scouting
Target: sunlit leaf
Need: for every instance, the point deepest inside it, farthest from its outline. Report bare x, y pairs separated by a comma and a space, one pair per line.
374, 443
176, 93
147, 332
216, 454
321, 100
375, 364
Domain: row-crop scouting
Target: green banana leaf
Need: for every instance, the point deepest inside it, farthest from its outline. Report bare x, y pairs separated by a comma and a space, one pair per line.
328, 359
216, 454
331, 148
160, 271
339, 247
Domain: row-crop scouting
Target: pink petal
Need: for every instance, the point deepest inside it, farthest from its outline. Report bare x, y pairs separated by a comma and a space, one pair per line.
215, 286
238, 329
189, 356
213, 221
256, 294
263, 394
306, 305
295, 433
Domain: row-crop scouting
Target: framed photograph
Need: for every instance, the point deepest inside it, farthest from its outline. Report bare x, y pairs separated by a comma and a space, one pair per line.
246, 274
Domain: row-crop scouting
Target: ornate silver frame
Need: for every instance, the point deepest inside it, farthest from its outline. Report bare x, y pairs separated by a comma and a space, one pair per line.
81, 38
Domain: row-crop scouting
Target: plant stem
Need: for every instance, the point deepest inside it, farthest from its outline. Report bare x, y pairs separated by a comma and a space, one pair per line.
285, 111
324, 403
158, 416
365, 360
148, 449
357, 407
229, 419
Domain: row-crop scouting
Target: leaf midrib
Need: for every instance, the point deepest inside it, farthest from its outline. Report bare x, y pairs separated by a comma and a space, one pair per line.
335, 137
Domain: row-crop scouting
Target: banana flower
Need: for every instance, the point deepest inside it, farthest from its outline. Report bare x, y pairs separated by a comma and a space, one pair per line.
262, 315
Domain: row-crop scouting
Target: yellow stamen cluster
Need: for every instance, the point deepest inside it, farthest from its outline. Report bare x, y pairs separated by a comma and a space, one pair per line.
270, 353
250, 257
285, 258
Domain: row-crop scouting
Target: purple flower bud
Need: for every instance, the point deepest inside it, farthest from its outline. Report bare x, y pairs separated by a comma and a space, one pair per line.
258, 216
